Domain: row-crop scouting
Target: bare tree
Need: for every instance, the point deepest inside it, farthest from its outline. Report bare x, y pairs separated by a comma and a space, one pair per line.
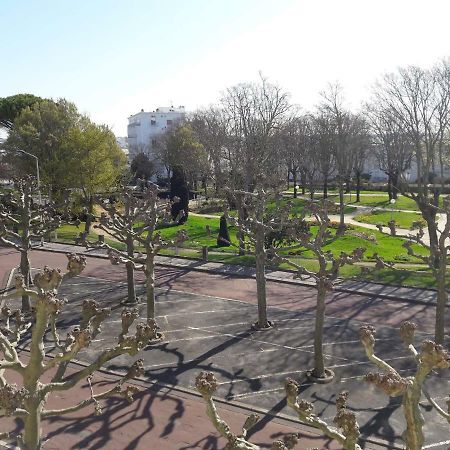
253, 113
257, 226
211, 131
360, 142
418, 101
345, 128
23, 221
431, 357
324, 278
322, 148
28, 402
393, 147
120, 225
294, 138
153, 214
346, 434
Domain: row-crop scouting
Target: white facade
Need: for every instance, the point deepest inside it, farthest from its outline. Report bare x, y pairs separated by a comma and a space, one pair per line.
145, 127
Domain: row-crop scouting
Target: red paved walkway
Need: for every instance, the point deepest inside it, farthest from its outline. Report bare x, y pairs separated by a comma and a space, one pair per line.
343, 305
154, 421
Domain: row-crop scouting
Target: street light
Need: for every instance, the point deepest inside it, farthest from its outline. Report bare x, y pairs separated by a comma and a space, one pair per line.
38, 179
37, 172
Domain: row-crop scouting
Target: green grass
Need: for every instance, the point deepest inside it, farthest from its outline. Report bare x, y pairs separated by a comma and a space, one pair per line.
407, 277
195, 228
380, 201
402, 219
298, 205
68, 233
386, 246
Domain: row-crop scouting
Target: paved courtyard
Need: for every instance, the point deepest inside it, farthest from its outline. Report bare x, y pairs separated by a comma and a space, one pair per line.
212, 332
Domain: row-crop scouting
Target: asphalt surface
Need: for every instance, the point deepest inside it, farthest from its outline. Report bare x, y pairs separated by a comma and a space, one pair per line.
206, 321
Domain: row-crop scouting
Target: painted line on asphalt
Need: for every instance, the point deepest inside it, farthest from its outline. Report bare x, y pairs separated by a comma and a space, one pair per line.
261, 377
437, 444
187, 361
199, 312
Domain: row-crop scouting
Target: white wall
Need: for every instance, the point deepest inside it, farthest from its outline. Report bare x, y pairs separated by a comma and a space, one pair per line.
144, 127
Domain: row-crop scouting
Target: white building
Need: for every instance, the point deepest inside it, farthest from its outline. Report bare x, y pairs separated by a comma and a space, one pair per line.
122, 142
145, 127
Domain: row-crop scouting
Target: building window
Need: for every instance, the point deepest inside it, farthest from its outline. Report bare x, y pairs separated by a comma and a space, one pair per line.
169, 122
153, 122
153, 142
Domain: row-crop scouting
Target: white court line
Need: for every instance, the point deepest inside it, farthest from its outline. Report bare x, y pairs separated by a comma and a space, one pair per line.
251, 394
184, 313
294, 311
176, 364
436, 444
259, 377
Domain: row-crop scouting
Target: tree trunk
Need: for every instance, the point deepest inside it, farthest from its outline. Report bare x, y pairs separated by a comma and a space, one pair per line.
358, 187
90, 210
348, 187
389, 187
131, 298
341, 227
32, 428
319, 363
240, 233
325, 187
294, 177
32, 373
260, 253
394, 185
441, 303
413, 435
303, 179
150, 272
25, 271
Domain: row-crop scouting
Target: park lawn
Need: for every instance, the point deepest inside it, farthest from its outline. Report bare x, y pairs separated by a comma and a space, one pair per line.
422, 278
298, 205
388, 247
67, 234
402, 219
195, 228
382, 201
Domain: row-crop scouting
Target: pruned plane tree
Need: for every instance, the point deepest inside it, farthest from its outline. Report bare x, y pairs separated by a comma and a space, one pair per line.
27, 400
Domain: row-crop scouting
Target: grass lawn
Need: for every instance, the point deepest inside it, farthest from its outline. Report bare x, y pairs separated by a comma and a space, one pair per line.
376, 199
195, 228
386, 246
402, 219
298, 204
406, 277
382, 201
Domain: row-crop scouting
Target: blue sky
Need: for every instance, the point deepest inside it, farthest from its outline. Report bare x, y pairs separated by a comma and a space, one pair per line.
113, 58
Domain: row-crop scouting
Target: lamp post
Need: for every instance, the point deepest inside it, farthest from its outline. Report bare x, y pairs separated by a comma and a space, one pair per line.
37, 172
37, 178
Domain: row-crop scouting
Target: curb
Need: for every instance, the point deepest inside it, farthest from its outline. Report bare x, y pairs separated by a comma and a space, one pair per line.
271, 278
